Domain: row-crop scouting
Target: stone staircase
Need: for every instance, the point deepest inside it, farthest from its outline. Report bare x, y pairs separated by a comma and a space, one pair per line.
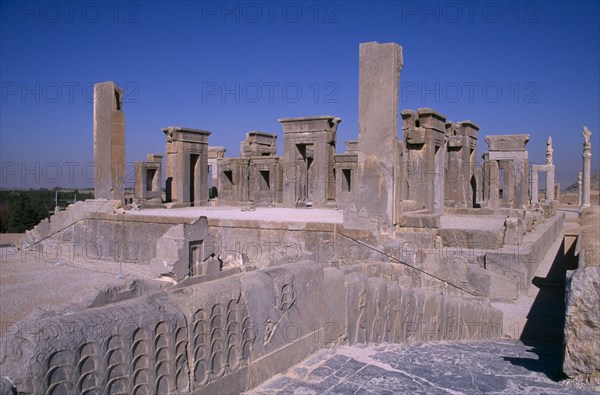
61, 221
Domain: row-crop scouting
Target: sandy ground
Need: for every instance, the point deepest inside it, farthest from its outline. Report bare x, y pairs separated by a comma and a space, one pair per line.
571, 198
30, 280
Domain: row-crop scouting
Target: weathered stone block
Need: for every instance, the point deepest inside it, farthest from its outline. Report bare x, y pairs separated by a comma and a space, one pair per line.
415, 136
379, 79
582, 326
513, 231
109, 142
509, 142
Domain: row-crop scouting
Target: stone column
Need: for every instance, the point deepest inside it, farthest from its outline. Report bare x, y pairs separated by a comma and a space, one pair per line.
509, 186
550, 182
549, 169
579, 188
485, 179
494, 184
109, 142
534, 185
378, 81
587, 167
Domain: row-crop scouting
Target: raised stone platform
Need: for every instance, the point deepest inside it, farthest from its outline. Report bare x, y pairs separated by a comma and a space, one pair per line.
274, 214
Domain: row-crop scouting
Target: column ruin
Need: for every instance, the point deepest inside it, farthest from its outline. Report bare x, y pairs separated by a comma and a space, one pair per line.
109, 142
587, 167
308, 163
187, 166
508, 171
378, 147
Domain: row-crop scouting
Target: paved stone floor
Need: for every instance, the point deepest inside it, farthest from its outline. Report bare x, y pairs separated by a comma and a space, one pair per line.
490, 367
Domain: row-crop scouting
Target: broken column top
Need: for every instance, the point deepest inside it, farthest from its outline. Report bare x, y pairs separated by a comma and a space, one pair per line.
154, 157
325, 123
423, 117
216, 151
179, 133
109, 88
351, 145
470, 126
463, 128
258, 144
507, 142
260, 134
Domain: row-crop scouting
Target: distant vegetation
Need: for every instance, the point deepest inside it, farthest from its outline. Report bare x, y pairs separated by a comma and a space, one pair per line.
22, 210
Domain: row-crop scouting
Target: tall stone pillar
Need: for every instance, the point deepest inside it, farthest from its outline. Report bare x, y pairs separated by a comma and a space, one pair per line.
494, 184
549, 170
379, 79
534, 185
485, 180
579, 188
587, 167
550, 182
109, 142
509, 186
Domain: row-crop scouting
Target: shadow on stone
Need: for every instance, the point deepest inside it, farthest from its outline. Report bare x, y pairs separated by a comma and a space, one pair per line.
543, 329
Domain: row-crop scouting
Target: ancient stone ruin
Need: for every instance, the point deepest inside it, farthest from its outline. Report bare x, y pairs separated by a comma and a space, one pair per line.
109, 142
246, 266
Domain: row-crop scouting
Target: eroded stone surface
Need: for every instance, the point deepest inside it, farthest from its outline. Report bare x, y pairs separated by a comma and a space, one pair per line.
109, 142
498, 367
582, 324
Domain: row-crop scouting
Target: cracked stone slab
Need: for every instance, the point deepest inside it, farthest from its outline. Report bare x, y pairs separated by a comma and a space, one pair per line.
487, 367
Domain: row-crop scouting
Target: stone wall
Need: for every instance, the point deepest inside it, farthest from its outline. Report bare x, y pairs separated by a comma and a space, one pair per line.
91, 231
224, 336
582, 323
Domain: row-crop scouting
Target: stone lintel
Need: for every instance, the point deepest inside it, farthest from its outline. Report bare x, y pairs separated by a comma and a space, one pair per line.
346, 158
265, 160
470, 128
215, 152
431, 119
508, 155
322, 123
507, 142
154, 158
259, 135
470, 125
351, 145
179, 133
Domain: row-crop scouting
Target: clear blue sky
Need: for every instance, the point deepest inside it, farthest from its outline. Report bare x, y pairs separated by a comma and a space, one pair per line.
511, 67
